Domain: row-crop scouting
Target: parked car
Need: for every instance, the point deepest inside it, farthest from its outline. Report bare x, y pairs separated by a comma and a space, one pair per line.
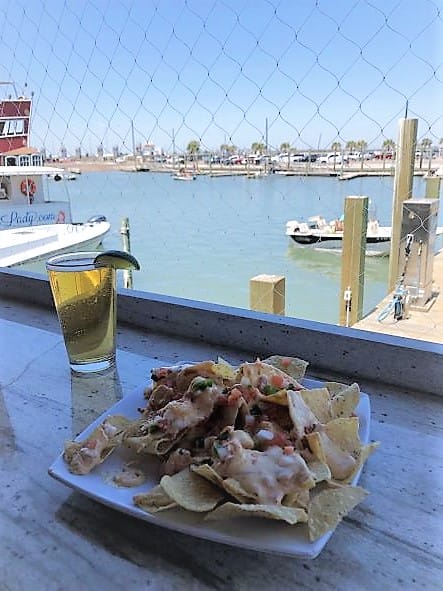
297, 158
354, 155
333, 157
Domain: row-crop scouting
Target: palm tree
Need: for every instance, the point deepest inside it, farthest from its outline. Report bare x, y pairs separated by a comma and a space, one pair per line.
336, 146
285, 147
426, 144
424, 147
258, 148
388, 146
228, 148
351, 146
193, 148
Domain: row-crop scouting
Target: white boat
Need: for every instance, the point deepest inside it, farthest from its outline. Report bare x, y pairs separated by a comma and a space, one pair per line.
316, 232
32, 227
184, 176
258, 174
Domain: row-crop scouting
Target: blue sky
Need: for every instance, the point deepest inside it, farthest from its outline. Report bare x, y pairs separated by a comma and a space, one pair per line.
218, 70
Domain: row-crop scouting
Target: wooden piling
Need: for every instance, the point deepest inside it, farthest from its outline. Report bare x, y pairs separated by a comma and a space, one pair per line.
353, 259
403, 182
267, 294
432, 187
126, 246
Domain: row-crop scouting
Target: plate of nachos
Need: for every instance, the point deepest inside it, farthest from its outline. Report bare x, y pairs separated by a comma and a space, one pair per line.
253, 455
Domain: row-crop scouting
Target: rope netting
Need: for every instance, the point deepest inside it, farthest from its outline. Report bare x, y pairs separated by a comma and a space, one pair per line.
250, 86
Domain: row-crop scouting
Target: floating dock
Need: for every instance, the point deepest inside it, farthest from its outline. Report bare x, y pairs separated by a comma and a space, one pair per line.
425, 324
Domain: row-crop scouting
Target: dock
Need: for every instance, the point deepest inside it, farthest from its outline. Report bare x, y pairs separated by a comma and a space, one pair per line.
425, 324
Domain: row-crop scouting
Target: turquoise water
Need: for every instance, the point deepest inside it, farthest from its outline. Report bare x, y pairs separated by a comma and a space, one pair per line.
206, 239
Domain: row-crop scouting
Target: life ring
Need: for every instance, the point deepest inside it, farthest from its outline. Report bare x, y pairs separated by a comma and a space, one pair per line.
28, 187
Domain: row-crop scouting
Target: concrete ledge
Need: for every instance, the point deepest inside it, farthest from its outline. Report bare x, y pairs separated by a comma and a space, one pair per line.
358, 354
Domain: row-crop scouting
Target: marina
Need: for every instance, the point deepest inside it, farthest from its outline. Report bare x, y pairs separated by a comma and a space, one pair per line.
237, 228
240, 387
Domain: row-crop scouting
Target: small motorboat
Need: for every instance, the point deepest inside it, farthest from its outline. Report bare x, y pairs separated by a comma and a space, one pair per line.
184, 176
319, 233
257, 174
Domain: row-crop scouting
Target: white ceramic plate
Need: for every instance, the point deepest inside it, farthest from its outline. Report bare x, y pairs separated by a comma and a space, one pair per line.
255, 534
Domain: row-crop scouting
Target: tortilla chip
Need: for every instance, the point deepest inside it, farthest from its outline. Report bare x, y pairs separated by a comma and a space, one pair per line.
319, 401
340, 462
280, 398
230, 485
82, 456
234, 488
344, 432
335, 387
320, 470
206, 471
345, 400
328, 508
154, 500
224, 369
192, 492
293, 366
362, 456
299, 498
301, 415
152, 443
291, 515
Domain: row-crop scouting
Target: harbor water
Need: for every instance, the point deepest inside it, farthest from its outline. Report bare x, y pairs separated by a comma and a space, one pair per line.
205, 239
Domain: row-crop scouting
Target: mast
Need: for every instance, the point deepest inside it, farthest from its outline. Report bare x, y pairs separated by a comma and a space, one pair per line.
133, 140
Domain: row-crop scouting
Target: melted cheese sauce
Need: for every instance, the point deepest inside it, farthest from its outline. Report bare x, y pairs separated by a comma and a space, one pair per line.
267, 475
186, 413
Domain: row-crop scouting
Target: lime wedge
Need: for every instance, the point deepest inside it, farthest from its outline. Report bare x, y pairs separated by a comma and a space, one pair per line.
118, 259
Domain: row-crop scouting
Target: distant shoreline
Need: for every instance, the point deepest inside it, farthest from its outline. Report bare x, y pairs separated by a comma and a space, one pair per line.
351, 170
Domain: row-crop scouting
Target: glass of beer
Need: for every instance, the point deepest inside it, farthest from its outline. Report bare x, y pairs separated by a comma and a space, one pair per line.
84, 294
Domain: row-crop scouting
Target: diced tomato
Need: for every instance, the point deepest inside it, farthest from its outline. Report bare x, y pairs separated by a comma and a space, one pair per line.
286, 362
234, 396
277, 381
250, 394
280, 439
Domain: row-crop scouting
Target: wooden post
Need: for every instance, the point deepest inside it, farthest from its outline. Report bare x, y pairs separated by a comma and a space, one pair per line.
353, 259
403, 181
124, 231
267, 294
432, 187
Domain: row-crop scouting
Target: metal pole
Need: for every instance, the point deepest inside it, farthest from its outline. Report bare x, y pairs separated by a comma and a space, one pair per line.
133, 142
124, 231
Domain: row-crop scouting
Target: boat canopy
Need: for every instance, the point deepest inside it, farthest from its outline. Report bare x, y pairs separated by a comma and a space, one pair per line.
29, 170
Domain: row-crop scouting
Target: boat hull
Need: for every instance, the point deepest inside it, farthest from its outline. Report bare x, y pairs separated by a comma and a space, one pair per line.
375, 245
31, 244
23, 216
184, 177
